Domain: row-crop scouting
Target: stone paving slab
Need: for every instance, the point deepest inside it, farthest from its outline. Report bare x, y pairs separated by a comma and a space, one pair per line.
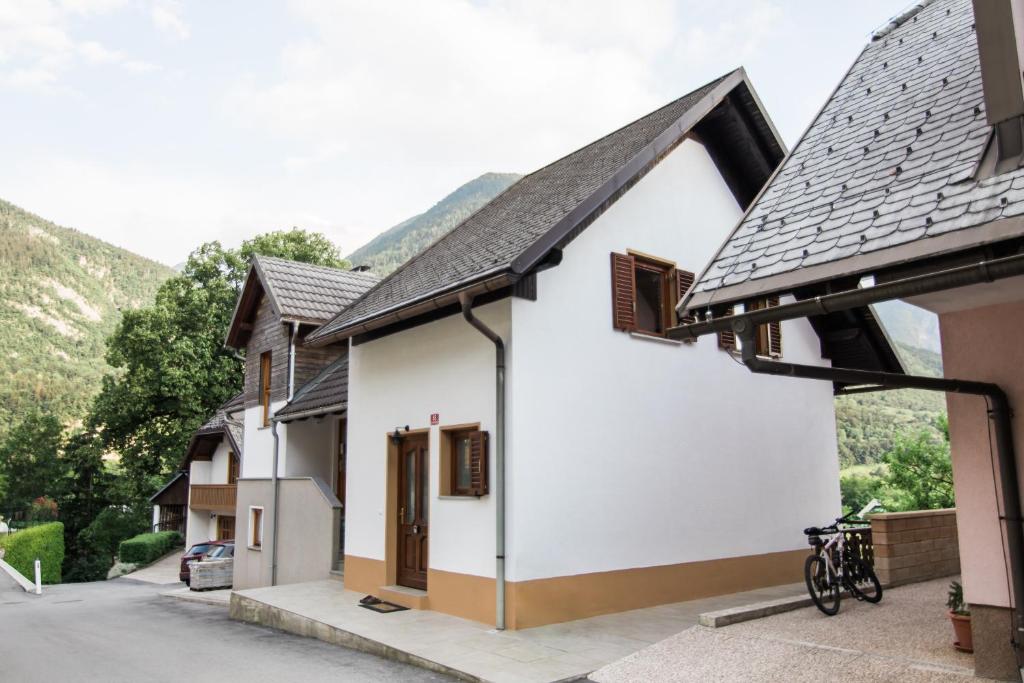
906, 637
470, 650
757, 610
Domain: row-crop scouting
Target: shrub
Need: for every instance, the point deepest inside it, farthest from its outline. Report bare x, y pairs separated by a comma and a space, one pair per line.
97, 544
45, 542
43, 509
146, 548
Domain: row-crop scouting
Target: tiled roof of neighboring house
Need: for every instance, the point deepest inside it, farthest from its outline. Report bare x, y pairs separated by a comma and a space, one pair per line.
221, 424
327, 391
311, 293
510, 233
297, 292
888, 163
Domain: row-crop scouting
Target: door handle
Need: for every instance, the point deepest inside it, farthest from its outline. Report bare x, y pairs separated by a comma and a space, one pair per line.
401, 515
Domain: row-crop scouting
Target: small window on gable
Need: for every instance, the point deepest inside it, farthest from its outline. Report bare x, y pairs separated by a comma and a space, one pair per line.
265, 372
464, 462
645, 291
768, 337
255, 527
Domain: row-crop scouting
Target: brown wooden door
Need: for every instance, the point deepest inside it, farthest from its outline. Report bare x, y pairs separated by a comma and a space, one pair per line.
413, 504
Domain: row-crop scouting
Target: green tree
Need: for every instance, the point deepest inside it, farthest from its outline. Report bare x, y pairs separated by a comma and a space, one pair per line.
30, 460
920, 469
171, 367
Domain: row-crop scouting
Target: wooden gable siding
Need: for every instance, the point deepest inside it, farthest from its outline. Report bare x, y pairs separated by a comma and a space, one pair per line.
175, 494
310, 360
269, 333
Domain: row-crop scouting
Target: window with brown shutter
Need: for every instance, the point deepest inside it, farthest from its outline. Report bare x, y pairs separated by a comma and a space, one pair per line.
768, 337
464, 456
645, 291
727, 340
232, 468
265, 368
684, 280
623, 292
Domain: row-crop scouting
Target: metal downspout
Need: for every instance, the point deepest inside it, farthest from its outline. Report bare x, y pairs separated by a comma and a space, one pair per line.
273, 520
466, 302
291, 360
999, 412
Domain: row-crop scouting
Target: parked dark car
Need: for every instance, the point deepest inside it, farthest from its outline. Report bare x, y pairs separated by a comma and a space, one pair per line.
194, 553
224, 550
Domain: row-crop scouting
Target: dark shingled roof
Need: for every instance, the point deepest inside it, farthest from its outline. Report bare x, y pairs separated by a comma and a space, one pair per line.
328, 390
222, 423
889, 162
490, 241
306, 292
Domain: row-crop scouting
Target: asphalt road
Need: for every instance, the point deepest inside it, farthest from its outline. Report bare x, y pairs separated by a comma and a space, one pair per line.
121, 630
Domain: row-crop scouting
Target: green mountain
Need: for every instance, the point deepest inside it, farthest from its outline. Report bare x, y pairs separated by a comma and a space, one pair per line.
867, 424
909, 324
393, 247
61, 293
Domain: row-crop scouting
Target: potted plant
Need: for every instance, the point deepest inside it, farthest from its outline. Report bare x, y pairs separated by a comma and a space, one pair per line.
960, 615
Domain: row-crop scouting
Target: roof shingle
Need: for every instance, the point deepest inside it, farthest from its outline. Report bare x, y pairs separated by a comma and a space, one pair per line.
889, 160
328, 389
308, 292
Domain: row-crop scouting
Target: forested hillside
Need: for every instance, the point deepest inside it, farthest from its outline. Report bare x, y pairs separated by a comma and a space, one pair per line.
867, 424
393, 247
60, 296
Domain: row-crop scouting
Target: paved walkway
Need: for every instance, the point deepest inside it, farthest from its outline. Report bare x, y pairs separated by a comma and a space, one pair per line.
906, 637
469, 649
220, 597
124, 631
163, 571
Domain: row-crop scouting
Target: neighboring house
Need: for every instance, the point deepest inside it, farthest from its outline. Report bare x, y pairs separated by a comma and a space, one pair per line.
280, 303
170, 505
212, 462
908, 185
607, 467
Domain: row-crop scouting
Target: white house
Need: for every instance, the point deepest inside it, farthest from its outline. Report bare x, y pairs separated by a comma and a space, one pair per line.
212, 465
524, 443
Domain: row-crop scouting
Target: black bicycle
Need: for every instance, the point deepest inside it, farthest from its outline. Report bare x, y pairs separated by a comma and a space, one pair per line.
833, 567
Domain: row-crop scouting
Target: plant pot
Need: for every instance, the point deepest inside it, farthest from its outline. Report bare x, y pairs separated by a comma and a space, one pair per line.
962, 628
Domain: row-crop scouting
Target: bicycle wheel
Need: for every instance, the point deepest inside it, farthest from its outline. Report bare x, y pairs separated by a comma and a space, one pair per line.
863, 584
822, 584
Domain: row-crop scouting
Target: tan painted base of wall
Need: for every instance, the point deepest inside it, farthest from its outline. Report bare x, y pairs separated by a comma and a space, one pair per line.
565, 598
991, 629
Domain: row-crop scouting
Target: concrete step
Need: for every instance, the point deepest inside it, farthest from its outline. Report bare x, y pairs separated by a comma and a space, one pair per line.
404, 596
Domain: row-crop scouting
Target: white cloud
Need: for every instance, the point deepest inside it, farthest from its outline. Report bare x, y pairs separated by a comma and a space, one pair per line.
166, 15
37, 46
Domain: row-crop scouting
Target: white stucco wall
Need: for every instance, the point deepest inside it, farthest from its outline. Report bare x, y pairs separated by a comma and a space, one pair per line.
443, 367
258, 457
202, 526
310, 448
628, 452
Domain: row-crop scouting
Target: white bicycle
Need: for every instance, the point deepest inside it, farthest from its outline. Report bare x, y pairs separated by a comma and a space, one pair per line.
832, 567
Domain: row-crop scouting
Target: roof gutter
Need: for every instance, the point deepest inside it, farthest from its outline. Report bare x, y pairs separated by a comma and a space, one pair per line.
433, 303
312, 412
962, 276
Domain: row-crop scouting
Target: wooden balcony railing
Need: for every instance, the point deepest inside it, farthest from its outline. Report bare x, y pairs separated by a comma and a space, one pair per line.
213, 496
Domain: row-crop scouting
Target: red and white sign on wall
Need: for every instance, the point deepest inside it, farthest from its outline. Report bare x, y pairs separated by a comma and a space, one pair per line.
435, 418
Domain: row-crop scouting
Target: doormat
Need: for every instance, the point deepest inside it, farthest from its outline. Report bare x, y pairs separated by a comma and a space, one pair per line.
384, 607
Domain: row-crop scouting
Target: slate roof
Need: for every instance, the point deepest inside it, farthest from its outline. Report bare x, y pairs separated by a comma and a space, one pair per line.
889, 162
222, 423
328, 389
498, 238
312, 293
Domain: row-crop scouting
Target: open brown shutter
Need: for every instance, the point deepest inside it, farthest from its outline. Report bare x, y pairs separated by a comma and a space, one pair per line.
684, 280
727, 340
774, 332
623, 292
478, 463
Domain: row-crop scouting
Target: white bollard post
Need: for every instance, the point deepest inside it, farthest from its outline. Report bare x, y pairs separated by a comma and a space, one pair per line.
39, 578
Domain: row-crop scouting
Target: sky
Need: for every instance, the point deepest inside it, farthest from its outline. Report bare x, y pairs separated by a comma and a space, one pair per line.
158, 125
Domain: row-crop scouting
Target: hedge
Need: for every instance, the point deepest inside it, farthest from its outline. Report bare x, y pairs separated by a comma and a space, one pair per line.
45, 542
146, 548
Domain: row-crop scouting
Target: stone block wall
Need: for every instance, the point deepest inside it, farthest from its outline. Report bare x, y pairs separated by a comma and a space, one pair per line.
915, 546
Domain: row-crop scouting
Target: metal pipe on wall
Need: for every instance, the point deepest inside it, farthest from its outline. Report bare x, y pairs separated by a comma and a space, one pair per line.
466, 302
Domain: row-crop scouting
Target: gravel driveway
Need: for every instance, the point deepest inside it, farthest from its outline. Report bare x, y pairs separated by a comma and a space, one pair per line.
122, 630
